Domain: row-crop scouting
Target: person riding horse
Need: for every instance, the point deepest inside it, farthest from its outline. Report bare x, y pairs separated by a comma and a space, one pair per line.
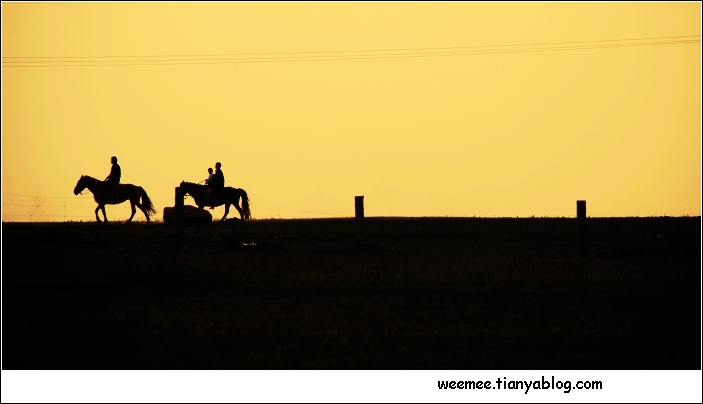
113, 180
217, 184
210, 176
227, 196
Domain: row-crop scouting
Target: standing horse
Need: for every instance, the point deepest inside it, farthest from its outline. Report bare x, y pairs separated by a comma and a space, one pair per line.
226, 196
122, 193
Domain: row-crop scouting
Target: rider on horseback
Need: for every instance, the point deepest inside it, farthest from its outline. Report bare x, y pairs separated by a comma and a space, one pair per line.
113, 180
210, 176
218, 181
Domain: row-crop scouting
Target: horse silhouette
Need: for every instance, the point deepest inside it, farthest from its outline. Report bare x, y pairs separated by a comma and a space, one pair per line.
123, 193
225, 196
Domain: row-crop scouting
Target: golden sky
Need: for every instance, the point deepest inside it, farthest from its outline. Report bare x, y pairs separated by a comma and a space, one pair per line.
514, 133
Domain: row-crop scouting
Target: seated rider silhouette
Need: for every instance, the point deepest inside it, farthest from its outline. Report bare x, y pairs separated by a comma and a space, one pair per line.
113, 180
217, 184
208, 181
210, 176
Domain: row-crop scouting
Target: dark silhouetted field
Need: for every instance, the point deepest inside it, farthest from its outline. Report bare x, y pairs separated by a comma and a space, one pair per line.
426, 293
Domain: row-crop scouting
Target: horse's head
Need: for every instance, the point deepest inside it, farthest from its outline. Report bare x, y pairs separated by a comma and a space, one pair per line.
187, 187
192, 189
80, 186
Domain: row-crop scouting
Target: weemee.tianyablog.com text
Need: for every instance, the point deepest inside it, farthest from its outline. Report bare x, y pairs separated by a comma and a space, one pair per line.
520, 385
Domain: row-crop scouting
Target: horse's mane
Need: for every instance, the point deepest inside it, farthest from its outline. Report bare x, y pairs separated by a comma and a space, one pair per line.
193, 183
203, 187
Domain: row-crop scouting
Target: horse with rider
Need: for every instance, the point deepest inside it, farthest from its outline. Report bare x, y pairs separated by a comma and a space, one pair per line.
212, 194
111, 192
215, 193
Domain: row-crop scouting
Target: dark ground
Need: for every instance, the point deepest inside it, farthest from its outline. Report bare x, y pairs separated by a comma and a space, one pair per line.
428, 293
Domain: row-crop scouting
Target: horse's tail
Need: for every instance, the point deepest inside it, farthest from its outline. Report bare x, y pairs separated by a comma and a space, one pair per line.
146, 202
245, 205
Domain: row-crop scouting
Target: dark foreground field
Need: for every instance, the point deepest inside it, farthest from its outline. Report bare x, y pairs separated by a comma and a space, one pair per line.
423, 294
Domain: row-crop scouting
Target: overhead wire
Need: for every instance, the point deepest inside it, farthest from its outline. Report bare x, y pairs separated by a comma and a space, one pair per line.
154, 60
363, 50
352, 57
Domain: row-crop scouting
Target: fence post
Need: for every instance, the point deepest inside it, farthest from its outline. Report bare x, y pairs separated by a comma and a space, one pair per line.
359, 208
581, 220
178, 220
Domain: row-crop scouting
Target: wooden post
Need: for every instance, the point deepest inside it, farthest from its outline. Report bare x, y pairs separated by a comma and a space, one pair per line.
581, 220
359, 208
178, 220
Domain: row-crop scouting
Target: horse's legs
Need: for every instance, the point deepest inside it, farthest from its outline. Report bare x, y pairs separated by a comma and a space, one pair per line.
134, 210
96, 214
102, 207
226, 212
141, 207
241, 214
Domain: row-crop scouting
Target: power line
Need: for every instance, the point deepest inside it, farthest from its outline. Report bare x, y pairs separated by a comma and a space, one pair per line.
48, 206
58, 197
319, 56
351, 51
301, 211
361, 57
329, 57
11, 214
48, 197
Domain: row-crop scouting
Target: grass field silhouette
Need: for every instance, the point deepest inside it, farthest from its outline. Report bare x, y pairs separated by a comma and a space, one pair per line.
422, 293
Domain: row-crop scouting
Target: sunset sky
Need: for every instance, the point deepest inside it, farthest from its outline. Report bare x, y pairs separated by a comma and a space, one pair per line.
426, 109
